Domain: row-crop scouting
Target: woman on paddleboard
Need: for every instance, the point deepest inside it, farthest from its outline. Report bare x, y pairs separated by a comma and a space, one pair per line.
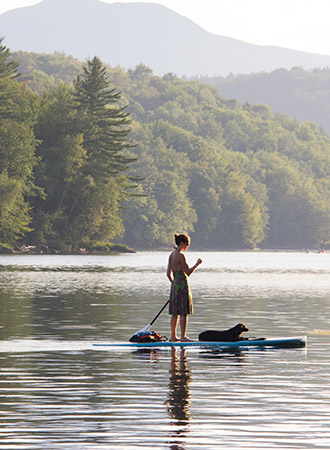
180, 298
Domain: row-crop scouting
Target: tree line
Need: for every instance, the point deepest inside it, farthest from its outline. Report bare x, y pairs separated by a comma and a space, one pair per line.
64, 158
129, 157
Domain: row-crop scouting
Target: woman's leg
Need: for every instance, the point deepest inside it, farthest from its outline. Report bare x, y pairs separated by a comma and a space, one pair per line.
183, 325
174, 323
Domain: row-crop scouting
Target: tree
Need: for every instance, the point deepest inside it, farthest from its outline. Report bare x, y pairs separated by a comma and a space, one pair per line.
163, 206
8, 90
85, 153
241, 223
102, 120
17, 151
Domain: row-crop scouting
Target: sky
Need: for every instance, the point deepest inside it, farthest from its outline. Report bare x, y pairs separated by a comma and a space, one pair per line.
295, 24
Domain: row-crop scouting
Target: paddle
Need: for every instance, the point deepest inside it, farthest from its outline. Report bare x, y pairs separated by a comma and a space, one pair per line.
147, 327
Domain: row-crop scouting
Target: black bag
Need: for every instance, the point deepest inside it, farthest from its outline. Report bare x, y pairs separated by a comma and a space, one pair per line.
147, 336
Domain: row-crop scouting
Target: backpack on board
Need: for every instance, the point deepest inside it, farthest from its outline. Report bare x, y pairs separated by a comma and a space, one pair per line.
147, 336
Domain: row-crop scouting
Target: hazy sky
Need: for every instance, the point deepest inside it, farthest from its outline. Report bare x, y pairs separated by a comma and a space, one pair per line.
296, 24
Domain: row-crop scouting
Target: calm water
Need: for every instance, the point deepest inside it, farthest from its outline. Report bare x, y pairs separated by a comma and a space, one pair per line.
58, 391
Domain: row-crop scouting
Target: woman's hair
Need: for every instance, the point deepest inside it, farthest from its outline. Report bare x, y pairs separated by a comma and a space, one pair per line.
181, 238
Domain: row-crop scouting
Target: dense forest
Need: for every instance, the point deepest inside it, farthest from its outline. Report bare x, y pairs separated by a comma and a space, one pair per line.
92, 154
303, 94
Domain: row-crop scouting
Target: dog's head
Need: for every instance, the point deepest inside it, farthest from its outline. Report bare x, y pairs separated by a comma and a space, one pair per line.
241, 328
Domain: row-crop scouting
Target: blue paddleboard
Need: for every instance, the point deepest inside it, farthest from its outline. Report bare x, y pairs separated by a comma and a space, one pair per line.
292, 342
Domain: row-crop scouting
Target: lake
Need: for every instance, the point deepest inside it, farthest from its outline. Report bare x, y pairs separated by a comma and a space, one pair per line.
58, 391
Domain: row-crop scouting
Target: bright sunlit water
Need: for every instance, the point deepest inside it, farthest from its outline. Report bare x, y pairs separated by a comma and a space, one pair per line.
58, 391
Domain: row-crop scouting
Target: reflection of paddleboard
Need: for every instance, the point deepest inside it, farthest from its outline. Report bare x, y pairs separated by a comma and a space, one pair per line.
293, 342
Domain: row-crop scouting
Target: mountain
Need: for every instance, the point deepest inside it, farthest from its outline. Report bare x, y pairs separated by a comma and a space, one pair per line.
128, 34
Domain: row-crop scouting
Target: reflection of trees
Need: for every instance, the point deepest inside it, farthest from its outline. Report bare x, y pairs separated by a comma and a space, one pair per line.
179, 397
15, 315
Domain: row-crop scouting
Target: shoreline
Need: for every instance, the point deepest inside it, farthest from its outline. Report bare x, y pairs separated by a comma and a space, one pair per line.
45, 250
122, 249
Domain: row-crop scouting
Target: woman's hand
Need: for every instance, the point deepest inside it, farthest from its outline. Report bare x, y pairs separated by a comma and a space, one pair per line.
198, 262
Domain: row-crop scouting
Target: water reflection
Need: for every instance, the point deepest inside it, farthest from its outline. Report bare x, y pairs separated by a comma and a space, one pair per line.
235, 353
179, 394
178, 403
151, 355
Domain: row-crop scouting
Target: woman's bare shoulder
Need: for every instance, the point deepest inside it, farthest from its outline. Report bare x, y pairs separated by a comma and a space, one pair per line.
178, 261
171, 255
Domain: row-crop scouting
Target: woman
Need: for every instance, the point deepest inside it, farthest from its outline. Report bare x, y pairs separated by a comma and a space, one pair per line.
180, 299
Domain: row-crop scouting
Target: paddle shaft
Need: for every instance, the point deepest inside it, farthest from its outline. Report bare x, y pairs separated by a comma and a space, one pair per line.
156, 317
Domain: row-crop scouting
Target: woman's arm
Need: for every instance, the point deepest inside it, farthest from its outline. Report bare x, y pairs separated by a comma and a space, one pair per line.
169, 269
189, 270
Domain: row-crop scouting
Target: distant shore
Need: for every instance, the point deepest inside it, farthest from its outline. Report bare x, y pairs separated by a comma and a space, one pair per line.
113, 249
45, 250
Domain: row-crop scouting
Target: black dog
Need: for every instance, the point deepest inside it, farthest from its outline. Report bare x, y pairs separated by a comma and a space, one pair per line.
231, 335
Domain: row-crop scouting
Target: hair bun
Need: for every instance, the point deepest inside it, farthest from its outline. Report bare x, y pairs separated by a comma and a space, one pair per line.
181, 238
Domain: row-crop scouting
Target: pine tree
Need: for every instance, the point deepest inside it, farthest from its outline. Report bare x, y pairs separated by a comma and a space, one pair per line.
102, 120
8, 72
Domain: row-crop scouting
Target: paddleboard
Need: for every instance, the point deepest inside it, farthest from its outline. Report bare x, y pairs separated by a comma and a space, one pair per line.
292, 342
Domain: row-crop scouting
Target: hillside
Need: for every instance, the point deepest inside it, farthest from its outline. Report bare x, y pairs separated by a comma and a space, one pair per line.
304, 95
130, 34
232, 176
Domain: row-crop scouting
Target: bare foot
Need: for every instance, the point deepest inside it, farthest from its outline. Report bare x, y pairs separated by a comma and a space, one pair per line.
186, 339
175, 340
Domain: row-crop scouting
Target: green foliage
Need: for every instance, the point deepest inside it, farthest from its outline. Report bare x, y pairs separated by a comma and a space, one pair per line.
304, 94
17, 147
230, 175
106, 247
163, 205
42, 72
83, 156
245, 171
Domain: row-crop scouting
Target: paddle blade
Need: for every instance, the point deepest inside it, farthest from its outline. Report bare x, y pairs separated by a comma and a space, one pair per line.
146, 328
137, 336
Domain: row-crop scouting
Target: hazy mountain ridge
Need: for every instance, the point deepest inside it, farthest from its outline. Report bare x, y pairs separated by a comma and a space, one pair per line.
304, 95
128, 34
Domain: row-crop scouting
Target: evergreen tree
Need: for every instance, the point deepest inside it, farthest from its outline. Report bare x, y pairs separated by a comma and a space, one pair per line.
102, 120
8, 91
